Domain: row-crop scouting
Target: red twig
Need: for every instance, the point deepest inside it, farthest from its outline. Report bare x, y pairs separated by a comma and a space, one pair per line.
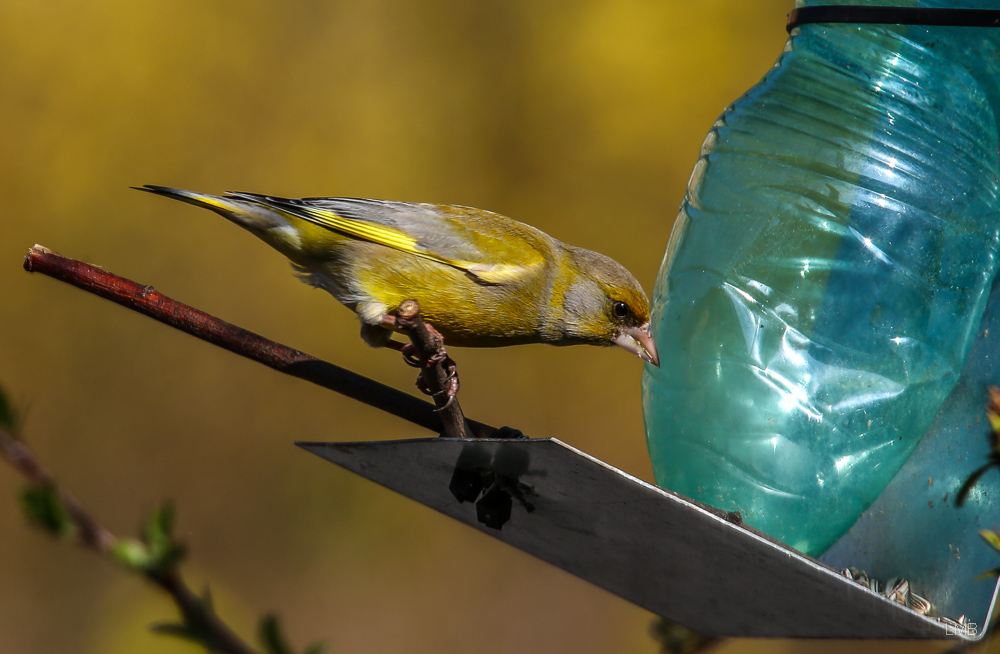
150, 302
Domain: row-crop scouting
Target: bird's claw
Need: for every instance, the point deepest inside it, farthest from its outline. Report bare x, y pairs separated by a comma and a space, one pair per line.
451, 389
410, 356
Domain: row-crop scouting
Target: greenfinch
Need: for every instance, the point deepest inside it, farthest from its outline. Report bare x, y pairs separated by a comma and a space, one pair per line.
482, 279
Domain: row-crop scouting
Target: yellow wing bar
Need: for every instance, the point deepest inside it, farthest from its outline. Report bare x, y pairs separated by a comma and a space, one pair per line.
368, 231
394, 238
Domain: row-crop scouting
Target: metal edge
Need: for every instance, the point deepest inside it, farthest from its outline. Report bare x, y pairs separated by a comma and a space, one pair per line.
687, 503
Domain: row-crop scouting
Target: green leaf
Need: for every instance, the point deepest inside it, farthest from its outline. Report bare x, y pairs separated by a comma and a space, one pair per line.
164, 552
44, 508
8, 414
159, 527
271, 637
994, 419
195, 624
991, 538
131, 553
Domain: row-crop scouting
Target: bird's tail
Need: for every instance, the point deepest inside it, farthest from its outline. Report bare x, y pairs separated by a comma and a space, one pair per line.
251, 215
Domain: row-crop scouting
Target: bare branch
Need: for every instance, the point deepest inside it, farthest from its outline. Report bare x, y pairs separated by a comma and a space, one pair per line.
146, 300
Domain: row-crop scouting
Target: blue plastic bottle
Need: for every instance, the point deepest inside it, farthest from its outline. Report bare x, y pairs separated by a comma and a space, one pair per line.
827, 272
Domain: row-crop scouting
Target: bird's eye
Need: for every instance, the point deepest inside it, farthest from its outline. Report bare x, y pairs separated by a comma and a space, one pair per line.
620, 309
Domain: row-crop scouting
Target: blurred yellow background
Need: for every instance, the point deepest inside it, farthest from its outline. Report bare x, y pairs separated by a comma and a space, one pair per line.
581, 118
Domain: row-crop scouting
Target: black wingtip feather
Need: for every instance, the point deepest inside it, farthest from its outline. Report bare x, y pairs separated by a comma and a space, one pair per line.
159, 190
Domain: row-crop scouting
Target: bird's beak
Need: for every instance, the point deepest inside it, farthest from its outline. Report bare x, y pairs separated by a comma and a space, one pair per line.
639, 341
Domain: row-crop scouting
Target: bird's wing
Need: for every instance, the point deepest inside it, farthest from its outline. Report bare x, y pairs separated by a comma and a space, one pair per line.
493, 248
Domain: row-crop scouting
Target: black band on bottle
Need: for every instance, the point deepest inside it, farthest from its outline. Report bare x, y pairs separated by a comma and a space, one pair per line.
893, 16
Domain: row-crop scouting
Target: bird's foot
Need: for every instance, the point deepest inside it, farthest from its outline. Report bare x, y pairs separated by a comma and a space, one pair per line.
451, 383
438, 374
411, 356
450, 389
410, 352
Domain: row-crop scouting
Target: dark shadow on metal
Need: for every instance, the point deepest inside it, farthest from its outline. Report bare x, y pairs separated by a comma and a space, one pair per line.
651, 547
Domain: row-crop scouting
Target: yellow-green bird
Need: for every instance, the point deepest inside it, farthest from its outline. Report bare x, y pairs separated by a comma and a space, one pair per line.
482, 279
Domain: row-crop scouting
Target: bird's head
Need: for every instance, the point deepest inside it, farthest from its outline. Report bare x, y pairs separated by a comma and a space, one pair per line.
603, 304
